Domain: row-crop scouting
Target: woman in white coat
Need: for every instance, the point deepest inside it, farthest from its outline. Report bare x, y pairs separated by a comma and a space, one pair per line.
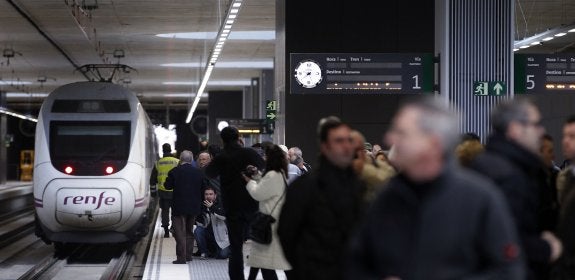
269, 191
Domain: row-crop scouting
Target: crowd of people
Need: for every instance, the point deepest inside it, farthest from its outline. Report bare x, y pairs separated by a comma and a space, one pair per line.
437, 204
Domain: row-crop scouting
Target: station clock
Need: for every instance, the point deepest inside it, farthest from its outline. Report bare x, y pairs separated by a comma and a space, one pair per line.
308, 74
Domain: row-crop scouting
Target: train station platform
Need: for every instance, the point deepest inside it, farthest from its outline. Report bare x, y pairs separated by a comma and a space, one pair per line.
15, 188
163, 251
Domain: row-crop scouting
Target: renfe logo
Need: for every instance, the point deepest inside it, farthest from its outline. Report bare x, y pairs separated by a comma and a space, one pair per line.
88, 199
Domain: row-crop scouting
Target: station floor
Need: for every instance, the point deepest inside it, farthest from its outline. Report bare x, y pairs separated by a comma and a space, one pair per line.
163, 251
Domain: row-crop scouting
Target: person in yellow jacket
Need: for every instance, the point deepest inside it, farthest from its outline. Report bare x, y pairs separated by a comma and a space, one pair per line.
158, 178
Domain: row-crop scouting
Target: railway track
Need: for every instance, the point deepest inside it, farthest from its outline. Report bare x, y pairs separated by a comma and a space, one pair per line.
16, 214
24, 256
85, 262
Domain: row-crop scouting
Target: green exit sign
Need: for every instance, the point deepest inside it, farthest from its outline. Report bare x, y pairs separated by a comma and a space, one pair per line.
486, 88
271, 110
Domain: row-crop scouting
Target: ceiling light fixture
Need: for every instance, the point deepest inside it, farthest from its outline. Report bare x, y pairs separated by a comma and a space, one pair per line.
9, 112
214, 83
10, 95
544, 36
17, 82
237, 35
221, 38
259, 64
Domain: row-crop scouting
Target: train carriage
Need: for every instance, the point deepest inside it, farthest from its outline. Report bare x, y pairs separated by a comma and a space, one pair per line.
95, 150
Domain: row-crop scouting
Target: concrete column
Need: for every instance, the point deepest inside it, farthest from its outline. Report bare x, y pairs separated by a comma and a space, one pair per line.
474, 40
251, 107
3, 131
247, 108
280, 66
266, 93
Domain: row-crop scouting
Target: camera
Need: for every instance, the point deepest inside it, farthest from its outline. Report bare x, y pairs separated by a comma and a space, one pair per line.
250, 171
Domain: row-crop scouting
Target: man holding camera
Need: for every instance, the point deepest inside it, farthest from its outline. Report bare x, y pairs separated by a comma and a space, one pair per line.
238, 204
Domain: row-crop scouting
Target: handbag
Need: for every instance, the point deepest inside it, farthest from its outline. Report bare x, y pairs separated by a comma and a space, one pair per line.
261, 225
261, 228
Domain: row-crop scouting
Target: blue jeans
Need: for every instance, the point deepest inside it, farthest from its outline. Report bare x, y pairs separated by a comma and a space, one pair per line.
207, 243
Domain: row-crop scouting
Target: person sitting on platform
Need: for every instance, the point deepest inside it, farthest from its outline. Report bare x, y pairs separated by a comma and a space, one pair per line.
211, 232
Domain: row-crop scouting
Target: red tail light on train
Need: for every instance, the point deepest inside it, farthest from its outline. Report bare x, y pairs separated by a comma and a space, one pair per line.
68, 169
109, 170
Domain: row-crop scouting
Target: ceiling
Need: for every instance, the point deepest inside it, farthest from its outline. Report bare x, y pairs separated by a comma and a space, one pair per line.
99, 33
90, 33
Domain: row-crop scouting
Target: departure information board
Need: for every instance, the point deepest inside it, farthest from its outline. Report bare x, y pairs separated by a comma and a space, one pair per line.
544, 73
360, 73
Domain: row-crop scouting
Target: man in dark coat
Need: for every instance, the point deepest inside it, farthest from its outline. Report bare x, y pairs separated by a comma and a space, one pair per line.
511, 160
434, 220
322, 208
238, 204
186, 181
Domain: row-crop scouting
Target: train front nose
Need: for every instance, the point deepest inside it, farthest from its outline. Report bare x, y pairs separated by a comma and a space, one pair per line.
88, 208
88, 204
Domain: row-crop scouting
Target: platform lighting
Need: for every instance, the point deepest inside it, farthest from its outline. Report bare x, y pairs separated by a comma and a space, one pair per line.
544, 36
15, 82
9, 112
221, 38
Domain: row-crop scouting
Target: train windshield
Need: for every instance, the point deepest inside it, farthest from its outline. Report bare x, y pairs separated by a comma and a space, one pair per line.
93, 141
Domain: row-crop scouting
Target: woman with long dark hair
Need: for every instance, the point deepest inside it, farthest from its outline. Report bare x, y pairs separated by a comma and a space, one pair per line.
270, 192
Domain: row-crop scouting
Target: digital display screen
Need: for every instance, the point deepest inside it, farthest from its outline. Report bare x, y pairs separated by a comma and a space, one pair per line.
541, 73
361, 73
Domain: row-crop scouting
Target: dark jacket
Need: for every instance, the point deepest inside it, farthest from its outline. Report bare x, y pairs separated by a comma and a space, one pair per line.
321, 210
564, 269
520, 175
455, 227
216, 208
228, 165
186, 181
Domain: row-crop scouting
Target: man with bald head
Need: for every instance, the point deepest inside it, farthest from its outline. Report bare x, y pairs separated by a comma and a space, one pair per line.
296, 157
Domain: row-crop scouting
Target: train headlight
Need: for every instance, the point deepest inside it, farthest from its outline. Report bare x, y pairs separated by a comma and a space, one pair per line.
68, 169
109, 170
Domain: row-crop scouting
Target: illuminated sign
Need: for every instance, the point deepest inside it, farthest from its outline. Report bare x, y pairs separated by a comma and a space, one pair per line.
544, 73
361, 73
249, 126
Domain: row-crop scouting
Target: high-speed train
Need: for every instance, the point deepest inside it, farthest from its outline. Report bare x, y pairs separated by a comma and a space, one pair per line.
95, 150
